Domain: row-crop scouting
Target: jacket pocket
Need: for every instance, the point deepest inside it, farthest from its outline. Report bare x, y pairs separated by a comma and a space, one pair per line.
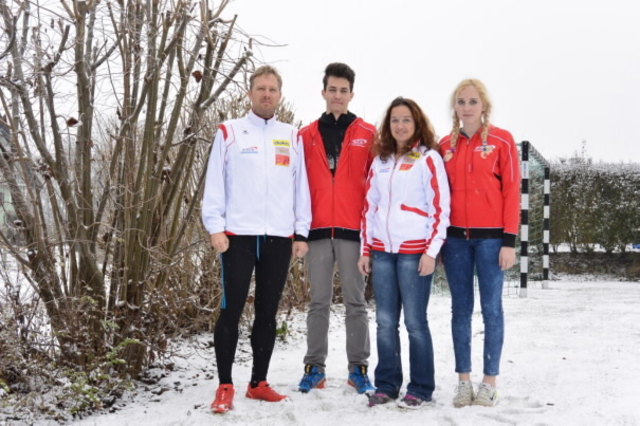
495, 206
414, 210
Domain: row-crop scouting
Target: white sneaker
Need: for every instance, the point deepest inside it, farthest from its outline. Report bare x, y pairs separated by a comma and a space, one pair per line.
487, 395
464, 394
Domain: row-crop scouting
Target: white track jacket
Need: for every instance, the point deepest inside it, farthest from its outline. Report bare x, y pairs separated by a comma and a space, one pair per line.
256, 181
407, 204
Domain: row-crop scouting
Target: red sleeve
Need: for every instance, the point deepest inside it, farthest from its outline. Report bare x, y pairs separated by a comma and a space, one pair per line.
510, 172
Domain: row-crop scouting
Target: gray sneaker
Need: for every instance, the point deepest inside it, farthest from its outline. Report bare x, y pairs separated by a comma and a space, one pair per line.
412, 402
487, 395
464, 394
379, 398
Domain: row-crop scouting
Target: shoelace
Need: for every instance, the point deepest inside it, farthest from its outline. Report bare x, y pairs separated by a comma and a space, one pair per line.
224, 389
463, 393
360, 379
485, 391
222, 395
366, 383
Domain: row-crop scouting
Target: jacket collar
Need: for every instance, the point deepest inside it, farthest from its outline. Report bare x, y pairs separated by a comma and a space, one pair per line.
344, 120
477, 133
314, 127
259, 121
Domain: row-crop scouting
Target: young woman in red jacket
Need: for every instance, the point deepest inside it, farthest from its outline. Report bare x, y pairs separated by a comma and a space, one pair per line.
484, 175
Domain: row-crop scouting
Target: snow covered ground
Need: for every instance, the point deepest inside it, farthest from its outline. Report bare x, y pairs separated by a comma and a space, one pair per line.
570, 357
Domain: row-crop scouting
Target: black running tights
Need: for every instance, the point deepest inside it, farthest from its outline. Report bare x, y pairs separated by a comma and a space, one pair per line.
270, 256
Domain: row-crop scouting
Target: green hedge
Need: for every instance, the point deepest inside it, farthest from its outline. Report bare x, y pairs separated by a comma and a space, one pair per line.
595, 204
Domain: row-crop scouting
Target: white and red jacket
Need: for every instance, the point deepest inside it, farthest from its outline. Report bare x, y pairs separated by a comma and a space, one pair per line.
337, 201
256, 180
485, 185
407, 204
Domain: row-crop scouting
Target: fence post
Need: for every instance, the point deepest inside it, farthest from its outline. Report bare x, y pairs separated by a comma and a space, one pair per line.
524, 218
546, 227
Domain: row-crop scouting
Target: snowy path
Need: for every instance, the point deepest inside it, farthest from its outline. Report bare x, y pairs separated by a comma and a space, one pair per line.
570, 357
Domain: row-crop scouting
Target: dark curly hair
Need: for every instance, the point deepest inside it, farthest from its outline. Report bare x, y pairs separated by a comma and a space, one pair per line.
424, 134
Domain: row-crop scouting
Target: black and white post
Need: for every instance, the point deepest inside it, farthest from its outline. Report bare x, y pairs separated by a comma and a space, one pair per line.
524, 218
546, 227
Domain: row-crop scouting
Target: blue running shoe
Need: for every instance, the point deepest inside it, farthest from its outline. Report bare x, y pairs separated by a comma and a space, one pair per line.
312, 378
359, 380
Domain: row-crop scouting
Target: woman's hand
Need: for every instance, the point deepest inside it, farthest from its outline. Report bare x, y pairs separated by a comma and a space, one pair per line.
427, 265
507, 258
364, 265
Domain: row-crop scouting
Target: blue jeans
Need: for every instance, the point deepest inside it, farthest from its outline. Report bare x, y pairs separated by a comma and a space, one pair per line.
461, 256
397, 286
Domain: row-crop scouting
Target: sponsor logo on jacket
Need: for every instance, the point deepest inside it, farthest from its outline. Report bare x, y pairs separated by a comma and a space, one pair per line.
249, 150
282, 156
409, 161
485, 150
359, 142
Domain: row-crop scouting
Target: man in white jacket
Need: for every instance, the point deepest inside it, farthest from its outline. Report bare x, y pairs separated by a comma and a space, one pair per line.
256, 208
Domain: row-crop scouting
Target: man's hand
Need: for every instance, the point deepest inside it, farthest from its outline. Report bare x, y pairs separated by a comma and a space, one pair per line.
300, 248
220, 242
507, 257
364, 265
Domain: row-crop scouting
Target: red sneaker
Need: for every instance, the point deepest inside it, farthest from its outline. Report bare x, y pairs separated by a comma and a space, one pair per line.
224, 399
264, 392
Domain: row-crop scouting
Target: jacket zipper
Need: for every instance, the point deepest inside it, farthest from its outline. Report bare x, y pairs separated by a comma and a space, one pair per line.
389, 205
467, 166
319, 145
333, 175
266, 169
333, 204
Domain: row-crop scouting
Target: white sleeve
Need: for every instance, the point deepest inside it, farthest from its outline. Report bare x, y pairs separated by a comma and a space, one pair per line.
438, 185
214, 199
372, 198
302, 202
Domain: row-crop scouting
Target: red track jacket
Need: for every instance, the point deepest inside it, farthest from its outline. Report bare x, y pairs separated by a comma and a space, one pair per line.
337, 201
485, 186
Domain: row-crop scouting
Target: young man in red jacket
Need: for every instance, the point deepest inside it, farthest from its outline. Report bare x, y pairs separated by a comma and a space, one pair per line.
337, 151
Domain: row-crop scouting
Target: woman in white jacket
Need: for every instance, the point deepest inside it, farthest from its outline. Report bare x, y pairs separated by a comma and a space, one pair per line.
404, 226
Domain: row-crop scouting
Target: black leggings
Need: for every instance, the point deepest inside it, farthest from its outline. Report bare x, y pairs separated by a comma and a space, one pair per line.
270, 256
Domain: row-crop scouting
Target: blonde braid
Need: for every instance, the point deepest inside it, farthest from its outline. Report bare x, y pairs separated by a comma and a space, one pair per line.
455, 132
485, 128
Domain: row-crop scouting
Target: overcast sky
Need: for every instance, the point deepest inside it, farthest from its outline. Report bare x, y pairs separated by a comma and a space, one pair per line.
558, 72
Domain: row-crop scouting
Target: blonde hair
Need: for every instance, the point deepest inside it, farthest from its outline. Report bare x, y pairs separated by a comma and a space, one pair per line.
486, 113
265, 70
